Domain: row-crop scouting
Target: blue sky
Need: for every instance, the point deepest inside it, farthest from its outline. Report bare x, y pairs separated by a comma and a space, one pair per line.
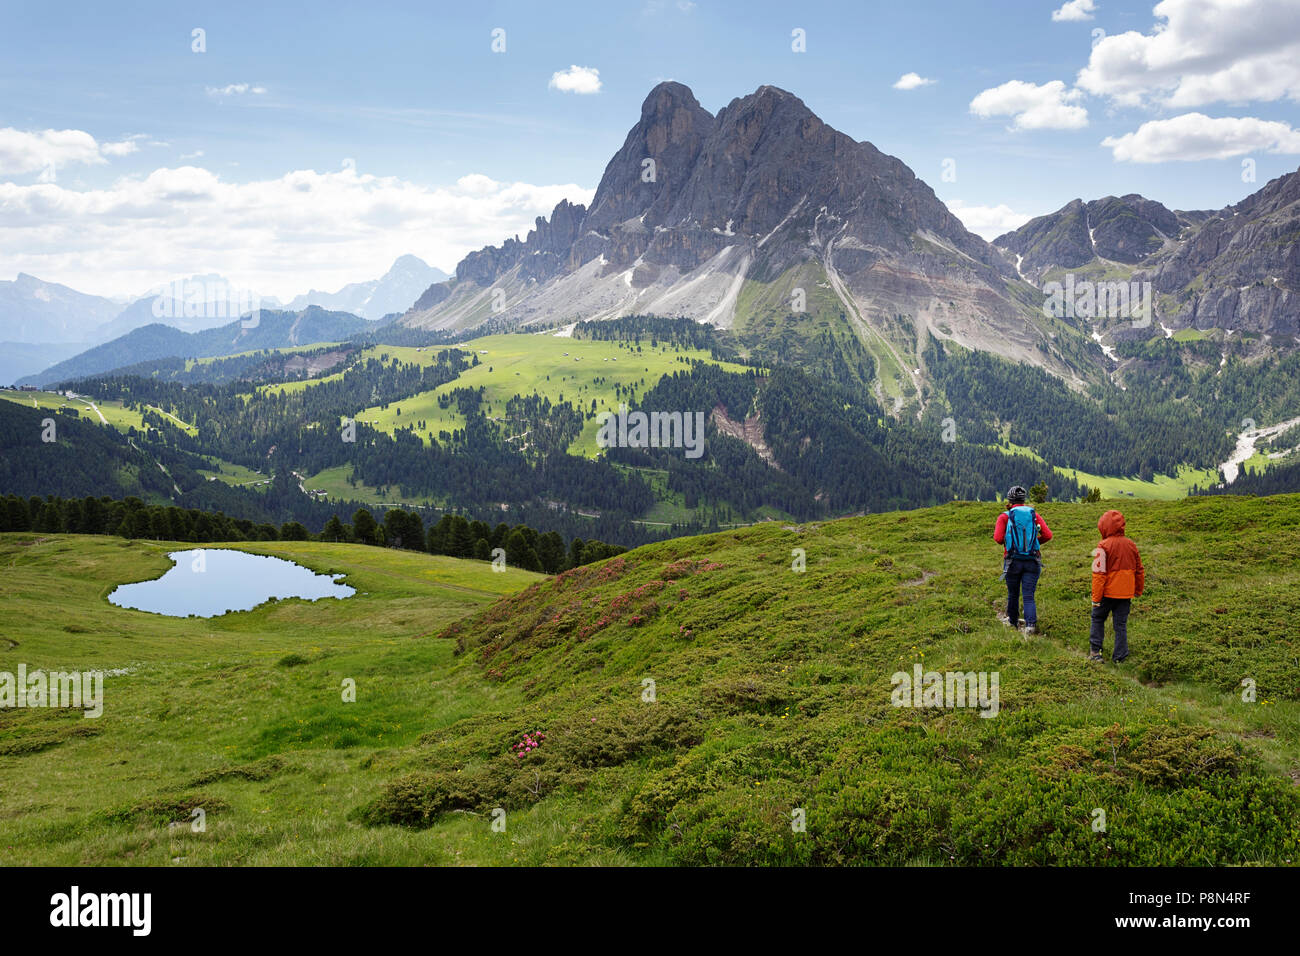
310, 144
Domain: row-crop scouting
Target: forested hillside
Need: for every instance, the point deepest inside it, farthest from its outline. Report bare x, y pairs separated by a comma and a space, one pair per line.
505, 427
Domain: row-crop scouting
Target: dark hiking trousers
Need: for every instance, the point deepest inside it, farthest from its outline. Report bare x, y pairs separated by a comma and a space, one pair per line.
1022, 579
1119, 607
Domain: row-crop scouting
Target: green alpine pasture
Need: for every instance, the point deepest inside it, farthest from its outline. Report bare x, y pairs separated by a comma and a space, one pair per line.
1162, 487
191, 363
1159, 488
233, 474
241, 715
105, 413
336, 485
578, 371
724, 699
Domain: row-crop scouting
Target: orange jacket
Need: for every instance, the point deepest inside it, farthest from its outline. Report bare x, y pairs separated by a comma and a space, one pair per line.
1117, 570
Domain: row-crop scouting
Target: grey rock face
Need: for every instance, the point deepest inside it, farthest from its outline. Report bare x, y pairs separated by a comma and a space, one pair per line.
765, 197
685, 185
1241, 268
1124, 229
1235, 269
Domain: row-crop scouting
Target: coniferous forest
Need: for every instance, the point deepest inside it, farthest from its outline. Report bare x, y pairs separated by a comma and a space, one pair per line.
828, 447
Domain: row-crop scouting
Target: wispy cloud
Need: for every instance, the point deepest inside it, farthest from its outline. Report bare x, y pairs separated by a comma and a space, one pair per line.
987, 222
654, 7
124, 148
236, 89
45, 150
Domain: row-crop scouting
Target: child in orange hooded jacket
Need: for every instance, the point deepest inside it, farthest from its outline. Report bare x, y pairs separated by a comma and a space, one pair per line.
1117, 577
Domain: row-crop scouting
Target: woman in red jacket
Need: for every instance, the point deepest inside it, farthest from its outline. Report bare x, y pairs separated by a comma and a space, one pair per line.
1020, 530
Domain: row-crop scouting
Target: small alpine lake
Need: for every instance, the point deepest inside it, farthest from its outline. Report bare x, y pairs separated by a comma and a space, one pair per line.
209, 582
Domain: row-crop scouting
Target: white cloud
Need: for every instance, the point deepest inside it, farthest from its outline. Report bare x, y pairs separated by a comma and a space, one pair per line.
1073, 10
910, 81
24, 152
1202, 51
576, 79
1194, 136
1050, 106
476, 184
236, 89
280, 236
988, 222
124, 148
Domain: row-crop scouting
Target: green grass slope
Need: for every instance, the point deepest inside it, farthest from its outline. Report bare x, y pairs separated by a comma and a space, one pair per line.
102, 413
577, 371
697, 697
240, 715
772, 694
821, 337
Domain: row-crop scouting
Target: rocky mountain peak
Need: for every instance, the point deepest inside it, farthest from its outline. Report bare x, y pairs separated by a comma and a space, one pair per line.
1241, 268
1114, 229
697, 213
644, 177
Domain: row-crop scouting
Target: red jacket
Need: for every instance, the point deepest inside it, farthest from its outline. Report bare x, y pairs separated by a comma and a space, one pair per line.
1117, 570
1000, 530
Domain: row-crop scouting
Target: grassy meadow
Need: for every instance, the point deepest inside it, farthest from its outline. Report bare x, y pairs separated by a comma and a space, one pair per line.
241, 714
579, 371
109, 413
693, 696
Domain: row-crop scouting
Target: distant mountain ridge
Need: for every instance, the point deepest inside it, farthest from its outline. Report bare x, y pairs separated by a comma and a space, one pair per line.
1124, 229
193, 304
45, 322
1240, 270
1232, 270
18, 359
765, 220
35, 311
275, 329
395, 291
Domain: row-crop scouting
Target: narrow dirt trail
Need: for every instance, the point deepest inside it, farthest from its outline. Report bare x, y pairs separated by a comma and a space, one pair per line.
95, 409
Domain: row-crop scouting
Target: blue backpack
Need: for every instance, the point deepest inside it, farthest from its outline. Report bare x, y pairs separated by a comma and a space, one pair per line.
1022, 532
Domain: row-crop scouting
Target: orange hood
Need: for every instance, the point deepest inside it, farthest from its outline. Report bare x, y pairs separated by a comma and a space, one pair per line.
1111, 524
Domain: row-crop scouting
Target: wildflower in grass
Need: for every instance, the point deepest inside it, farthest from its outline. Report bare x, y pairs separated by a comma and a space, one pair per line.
529, 743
